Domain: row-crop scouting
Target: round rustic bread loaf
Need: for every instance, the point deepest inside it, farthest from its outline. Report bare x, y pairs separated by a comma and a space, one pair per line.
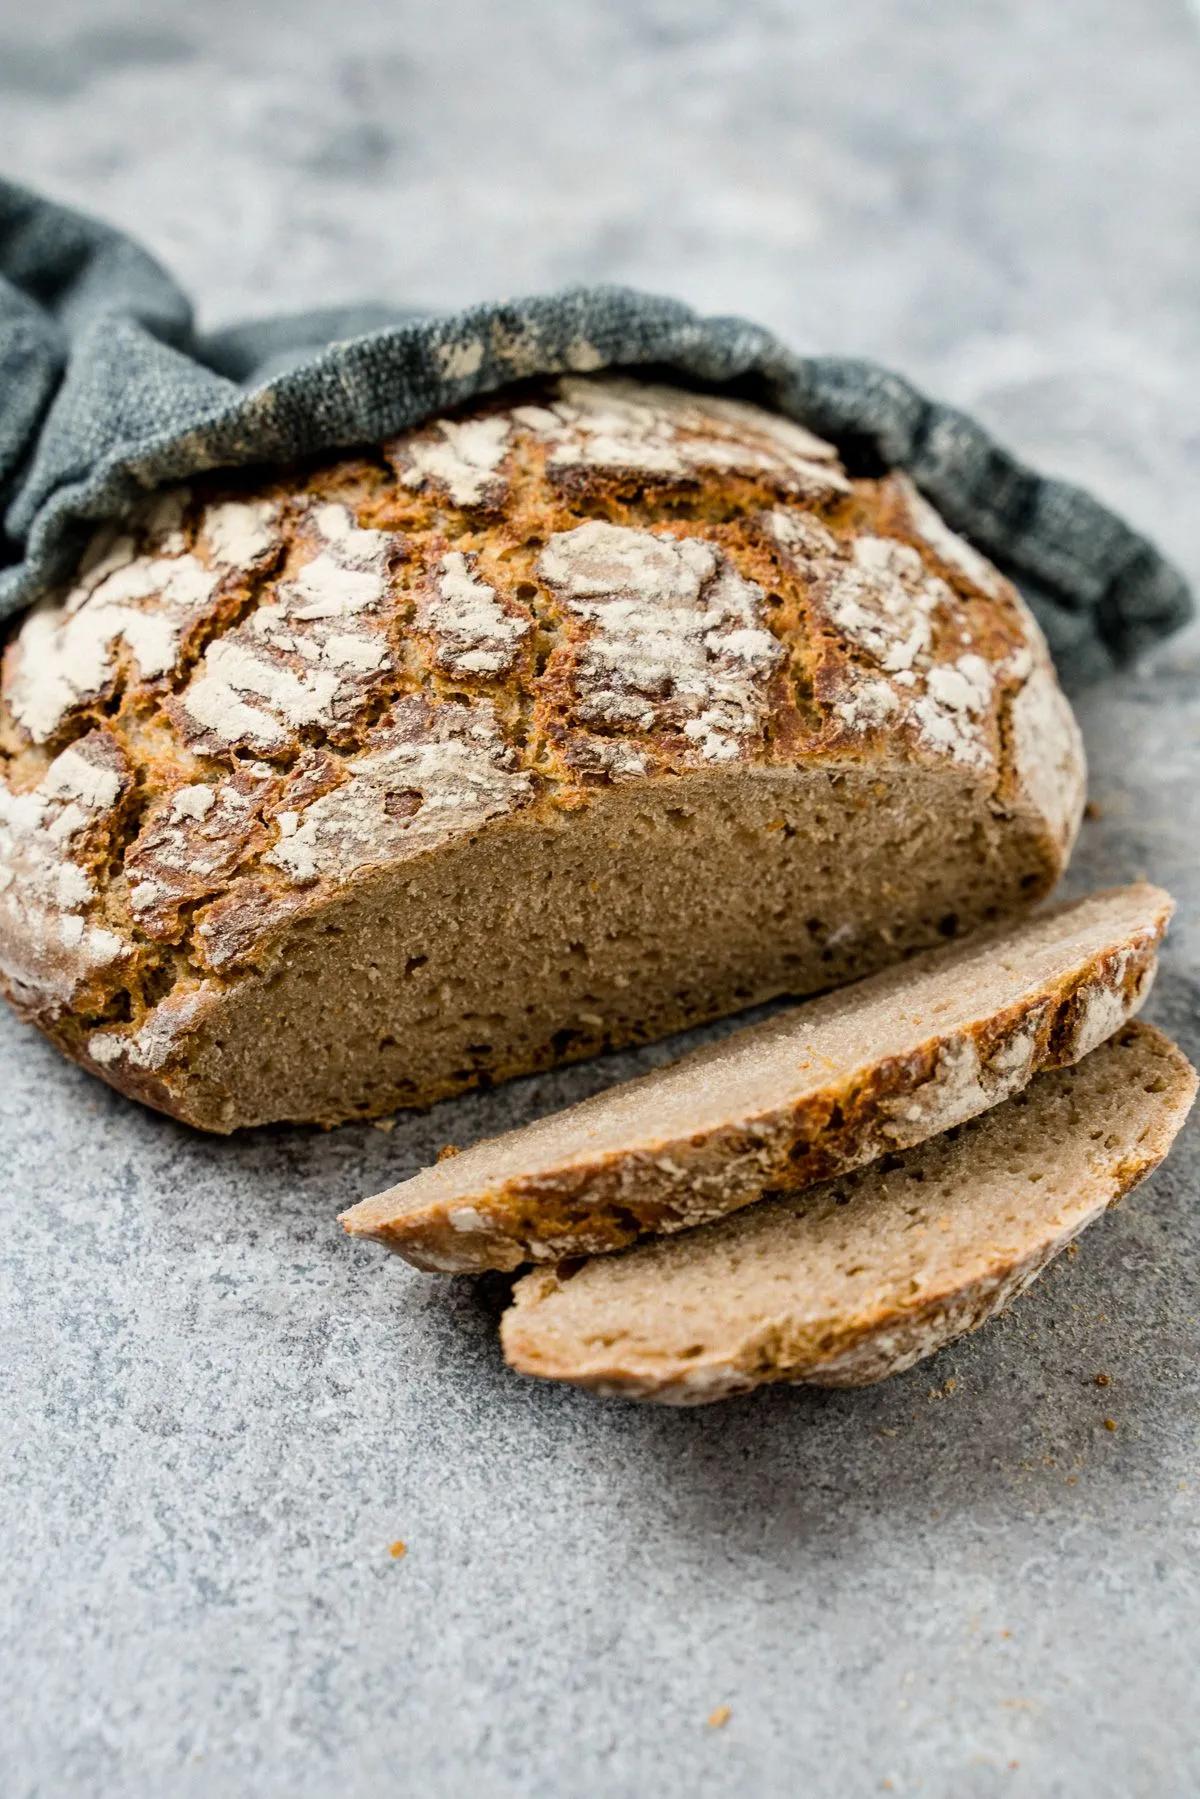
597, 711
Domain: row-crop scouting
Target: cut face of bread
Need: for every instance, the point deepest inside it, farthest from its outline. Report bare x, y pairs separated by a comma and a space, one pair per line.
814, 1091
860, 1277
594, 712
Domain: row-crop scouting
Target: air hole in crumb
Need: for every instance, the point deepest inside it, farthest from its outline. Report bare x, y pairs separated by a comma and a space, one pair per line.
568, 1269
415, 962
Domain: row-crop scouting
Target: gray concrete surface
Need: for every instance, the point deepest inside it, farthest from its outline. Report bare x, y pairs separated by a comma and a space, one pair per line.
217, 1413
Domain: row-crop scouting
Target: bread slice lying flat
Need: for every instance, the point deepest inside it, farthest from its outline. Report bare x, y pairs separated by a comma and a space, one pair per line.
860, 1277
816, 1091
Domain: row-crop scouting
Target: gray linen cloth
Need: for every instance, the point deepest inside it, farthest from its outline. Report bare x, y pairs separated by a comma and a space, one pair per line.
107, 390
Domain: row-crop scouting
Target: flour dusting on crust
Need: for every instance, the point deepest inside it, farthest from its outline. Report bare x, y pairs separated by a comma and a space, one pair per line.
461, 458
893, 613
1048, 752
307, 657
431, 773
131, 603
474, 631
160, 1037
673, 636
951, 550
51, 939
615, 426
191, 843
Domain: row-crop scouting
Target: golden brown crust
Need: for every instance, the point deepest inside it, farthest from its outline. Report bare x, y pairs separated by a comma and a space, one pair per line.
609, 583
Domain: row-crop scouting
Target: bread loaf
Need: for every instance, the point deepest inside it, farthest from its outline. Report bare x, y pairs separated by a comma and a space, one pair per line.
816, 1091
860, 1277
597, 711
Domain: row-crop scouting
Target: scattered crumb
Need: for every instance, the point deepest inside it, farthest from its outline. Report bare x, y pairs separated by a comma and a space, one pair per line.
888, 1430
446, 1151
720, 1717
383, 1124
398, 1549
1072, 1250
1072, 1480
1110, 1424
1091, 811
1103, 1380
1014, 1764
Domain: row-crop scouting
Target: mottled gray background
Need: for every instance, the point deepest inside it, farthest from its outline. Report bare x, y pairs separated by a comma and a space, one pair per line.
218, 1414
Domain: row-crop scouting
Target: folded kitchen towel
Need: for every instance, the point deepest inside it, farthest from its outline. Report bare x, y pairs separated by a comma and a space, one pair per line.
108, 390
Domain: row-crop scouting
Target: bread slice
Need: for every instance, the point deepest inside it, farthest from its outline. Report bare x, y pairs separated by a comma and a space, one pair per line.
861, 1277
813, 1092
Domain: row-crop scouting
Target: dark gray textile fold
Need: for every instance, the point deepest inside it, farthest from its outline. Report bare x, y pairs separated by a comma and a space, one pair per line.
107, 390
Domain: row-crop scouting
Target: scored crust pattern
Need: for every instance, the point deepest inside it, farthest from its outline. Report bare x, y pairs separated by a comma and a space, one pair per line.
250, 693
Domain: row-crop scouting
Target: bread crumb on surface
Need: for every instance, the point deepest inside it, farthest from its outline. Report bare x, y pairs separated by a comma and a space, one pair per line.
384, 1124
1103, 1380
720, 1717
1093, 811
1110, 1424
398, 1550
446, 1151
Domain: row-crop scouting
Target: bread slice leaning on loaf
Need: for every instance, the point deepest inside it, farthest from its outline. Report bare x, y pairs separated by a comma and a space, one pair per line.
590, 713
860, 1277
812, 1092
